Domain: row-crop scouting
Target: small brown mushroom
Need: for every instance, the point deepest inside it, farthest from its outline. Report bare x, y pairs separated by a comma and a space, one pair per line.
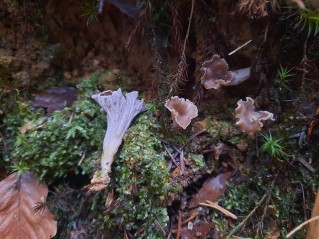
216, 74
249, 119
183, 111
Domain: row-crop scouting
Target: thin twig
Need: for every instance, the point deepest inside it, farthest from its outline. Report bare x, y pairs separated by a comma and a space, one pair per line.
83, 156
171, 156
238, 48
302, 136
242, 223
179, 150
142, 19
304, 201
182, 162
306, 164
304, 64
160, 227
191, 217
4, 141
71, 117
301, 225
192, 137
219, 208
169, 235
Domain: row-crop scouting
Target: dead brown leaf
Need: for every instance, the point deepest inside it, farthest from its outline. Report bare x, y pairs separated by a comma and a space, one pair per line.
212, 189
55, 99
18, 220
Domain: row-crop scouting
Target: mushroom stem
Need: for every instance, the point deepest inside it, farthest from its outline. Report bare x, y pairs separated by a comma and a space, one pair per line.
240, 76
217, 74
110, 147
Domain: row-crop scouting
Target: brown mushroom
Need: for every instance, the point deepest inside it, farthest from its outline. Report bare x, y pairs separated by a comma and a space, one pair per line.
216, 74
183, 111
249, 119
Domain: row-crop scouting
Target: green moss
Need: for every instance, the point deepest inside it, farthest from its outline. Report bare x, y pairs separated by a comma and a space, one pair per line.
220, 129
53, 146
89, 10
273, 147
197, 161
285, 195
141, 179
309, 19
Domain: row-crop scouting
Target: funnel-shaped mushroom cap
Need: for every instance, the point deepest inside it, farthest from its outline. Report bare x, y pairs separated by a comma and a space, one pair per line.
216, 73
183, 111
249, 119
120, 109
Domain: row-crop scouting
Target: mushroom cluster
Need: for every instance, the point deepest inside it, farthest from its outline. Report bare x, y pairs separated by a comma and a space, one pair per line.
249, 119
121, 110
216, 73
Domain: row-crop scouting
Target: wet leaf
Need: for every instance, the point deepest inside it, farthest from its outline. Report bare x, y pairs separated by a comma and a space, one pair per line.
212, 189
55, 99
18, 220
127, 6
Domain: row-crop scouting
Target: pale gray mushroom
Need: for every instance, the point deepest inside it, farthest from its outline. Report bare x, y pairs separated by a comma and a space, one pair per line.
216, 73
120, 110
240, 75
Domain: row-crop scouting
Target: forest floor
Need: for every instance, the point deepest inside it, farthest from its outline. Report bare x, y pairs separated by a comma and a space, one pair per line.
216, 178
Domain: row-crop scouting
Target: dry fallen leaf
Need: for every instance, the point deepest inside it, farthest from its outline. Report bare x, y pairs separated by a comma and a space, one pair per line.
18, 220
212, 189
